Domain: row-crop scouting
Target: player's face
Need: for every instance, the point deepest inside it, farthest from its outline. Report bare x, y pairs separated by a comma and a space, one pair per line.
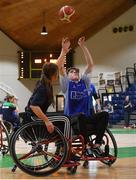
73, 75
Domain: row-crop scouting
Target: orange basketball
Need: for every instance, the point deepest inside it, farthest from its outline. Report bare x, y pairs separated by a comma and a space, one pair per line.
66, 13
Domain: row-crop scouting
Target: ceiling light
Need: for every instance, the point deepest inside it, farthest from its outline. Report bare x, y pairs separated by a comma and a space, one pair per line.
44, 32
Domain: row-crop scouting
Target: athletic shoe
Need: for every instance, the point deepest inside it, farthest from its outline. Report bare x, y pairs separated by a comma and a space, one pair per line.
89, 153
98, 152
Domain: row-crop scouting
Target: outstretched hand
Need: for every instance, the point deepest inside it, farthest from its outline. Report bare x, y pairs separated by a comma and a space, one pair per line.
81, 41
66, 44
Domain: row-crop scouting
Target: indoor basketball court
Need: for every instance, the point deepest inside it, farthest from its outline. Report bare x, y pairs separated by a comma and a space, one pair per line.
34, 33
123, 168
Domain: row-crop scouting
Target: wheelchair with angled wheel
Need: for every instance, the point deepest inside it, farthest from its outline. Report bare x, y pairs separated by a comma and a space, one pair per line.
39, 153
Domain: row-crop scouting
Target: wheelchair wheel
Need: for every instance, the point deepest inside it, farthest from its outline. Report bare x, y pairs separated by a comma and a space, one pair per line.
110, 148
4, 139
37, 152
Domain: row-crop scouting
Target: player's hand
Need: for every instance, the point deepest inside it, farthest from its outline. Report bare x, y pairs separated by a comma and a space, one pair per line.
66, 44
81, 41
99, 108
50, 126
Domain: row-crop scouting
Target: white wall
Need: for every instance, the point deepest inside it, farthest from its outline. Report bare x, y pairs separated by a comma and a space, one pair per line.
9, 73
9, 70
111, 52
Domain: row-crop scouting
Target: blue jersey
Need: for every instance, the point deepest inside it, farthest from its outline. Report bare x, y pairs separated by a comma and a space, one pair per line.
76, 96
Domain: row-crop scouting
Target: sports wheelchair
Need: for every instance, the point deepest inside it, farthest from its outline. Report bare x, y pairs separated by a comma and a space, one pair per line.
39, 153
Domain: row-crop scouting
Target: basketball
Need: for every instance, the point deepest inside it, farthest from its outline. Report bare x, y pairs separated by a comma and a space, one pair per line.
66, 13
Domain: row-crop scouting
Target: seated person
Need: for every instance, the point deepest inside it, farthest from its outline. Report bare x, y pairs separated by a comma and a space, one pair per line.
42, 97
76, 94
108, 107
9, 111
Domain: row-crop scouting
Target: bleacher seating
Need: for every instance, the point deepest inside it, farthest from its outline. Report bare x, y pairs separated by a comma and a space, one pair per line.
118, 99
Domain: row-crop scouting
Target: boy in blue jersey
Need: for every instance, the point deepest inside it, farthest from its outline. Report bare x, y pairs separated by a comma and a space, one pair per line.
76, 91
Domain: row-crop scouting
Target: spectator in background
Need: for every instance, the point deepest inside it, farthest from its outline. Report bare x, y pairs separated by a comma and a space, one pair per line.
108, 108
127, 111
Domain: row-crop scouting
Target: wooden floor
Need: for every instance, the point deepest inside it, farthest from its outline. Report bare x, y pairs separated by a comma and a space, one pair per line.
123, 168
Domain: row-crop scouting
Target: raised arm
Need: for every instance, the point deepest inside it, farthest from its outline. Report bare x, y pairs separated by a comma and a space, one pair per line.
87, 55
61, 59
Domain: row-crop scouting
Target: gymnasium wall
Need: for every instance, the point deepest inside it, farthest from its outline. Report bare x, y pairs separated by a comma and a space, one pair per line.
111, 52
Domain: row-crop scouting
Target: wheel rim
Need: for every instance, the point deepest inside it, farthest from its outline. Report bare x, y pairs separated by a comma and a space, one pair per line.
37, 152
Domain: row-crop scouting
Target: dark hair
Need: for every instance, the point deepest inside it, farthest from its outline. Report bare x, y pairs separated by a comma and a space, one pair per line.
48, 70
72, 68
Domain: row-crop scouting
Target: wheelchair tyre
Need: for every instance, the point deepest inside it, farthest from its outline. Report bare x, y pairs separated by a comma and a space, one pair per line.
111, 148
38, 152
4, 139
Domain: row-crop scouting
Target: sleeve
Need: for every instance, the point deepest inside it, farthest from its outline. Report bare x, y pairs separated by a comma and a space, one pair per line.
93, 91
12, 106
64, 83
96, 96
9, 105
86, 79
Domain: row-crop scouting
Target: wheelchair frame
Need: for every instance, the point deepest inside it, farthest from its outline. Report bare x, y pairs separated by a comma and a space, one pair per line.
44, 153
4, 139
